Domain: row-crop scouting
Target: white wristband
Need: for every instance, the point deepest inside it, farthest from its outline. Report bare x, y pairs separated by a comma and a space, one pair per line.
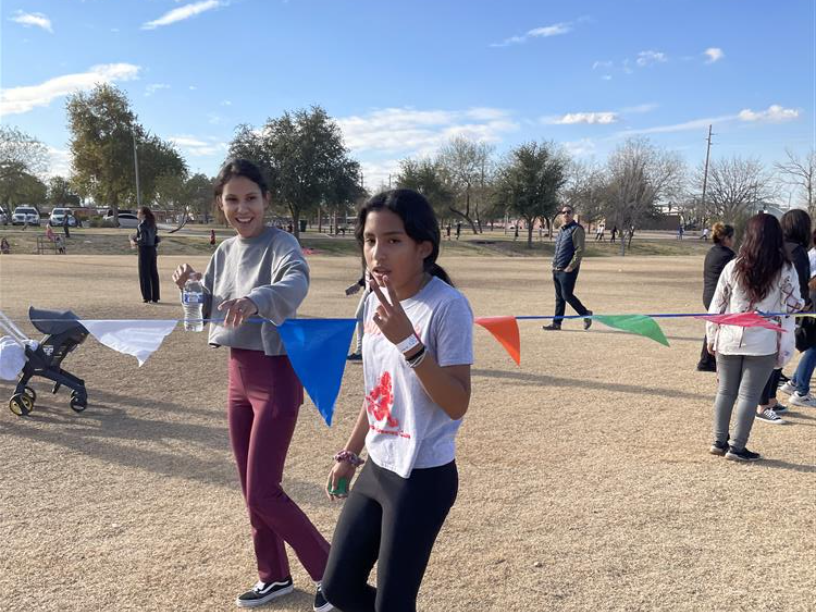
407, 344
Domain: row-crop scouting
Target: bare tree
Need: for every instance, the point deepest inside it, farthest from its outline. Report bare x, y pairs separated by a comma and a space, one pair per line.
465, 162
800, 173
640, 176
584, 191
736, 186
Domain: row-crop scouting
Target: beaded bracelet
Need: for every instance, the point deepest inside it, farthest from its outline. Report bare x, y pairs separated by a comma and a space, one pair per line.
349, 457
417, 359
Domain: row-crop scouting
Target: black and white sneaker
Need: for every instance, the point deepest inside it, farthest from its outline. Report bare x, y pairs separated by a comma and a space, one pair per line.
264, 592
743, 455
769, 416
719, 448
320, 603
779, 408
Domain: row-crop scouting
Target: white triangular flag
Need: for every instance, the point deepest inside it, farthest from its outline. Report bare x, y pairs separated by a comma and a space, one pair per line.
137, 337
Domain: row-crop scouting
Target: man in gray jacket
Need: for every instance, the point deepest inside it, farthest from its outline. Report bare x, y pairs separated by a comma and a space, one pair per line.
569, 249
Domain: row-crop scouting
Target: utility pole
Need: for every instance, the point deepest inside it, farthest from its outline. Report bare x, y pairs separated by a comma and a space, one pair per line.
705, 172
136, 164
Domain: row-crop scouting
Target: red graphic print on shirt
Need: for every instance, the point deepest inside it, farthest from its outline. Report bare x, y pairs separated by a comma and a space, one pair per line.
380, 401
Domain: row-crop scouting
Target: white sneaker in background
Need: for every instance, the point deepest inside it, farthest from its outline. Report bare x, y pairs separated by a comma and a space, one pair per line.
797, 399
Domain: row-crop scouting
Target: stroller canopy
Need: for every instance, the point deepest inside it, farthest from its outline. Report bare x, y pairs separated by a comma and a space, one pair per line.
55, 321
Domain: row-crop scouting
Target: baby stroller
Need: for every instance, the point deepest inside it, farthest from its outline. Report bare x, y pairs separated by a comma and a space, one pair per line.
63, 333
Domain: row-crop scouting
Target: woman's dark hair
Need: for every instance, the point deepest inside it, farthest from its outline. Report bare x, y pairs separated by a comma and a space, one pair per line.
761, 256
721, 231
418, 217
233, 168
796, 227
150, 218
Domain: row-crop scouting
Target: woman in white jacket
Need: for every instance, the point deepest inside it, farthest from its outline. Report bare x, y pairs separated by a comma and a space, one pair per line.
760, 279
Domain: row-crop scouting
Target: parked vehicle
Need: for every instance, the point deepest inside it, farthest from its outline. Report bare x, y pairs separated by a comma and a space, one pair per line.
25, 214
58, 215
126, 219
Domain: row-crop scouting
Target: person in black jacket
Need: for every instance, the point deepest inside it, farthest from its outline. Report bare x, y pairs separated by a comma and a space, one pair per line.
146, 240
716, 259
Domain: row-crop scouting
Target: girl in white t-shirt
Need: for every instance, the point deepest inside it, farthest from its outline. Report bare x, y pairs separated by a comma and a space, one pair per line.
417, 353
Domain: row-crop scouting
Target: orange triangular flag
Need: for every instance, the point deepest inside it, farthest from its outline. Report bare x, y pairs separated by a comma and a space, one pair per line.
506, 331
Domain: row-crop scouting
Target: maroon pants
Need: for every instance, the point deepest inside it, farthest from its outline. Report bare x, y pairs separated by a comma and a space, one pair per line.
264, 398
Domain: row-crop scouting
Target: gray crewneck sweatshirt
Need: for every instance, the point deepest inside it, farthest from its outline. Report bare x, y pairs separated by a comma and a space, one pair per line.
271, 271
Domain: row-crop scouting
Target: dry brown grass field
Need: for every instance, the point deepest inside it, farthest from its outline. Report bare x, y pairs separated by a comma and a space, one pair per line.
585, 478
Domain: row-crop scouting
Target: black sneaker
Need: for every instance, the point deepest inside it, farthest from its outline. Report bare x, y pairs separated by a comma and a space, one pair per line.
264, 592
588, 320
780, 408
719, 448
783, 379
320, 604
355, 357
706, 367
552, 327
743, 455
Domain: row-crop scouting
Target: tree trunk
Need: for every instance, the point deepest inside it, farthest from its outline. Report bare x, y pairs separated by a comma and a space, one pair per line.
319, 220
529, 233
464, 216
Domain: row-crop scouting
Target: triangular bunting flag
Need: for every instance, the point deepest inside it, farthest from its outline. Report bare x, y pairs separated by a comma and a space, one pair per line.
317, 349
640, 325
506, 331
741, 319
137, 337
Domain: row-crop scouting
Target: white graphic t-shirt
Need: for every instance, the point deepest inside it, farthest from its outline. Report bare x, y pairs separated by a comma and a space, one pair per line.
407, 429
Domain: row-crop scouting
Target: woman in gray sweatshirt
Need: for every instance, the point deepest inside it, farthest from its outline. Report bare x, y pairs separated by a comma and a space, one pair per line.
255, 281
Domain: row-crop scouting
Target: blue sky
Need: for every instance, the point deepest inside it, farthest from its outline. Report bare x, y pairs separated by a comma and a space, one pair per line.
401, 77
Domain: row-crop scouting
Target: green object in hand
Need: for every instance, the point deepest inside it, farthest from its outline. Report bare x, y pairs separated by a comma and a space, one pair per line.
342, 487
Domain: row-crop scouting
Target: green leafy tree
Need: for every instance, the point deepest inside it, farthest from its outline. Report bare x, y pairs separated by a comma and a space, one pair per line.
60, 192
23, 161
428, 178
344, 190
199, 192
300, 152
530, 181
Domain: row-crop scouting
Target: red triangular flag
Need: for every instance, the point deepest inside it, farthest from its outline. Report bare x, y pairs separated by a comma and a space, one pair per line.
506, 331
742, 319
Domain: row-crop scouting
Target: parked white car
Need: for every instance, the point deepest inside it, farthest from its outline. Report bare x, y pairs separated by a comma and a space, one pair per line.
25, 214
126, 219
58, 215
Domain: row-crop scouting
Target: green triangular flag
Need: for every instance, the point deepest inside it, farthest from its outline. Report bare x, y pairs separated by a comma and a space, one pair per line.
635, 324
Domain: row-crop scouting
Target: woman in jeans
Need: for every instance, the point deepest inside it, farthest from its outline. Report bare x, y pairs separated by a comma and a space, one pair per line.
761, 278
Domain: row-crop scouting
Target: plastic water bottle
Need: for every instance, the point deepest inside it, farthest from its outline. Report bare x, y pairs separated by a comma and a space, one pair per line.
192, 298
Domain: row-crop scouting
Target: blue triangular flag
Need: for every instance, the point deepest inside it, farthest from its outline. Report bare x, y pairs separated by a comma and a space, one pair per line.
317, 349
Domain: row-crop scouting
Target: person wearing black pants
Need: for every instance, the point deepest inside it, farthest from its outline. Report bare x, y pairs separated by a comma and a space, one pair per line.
716, 259
146, 240
410, 512
569, 249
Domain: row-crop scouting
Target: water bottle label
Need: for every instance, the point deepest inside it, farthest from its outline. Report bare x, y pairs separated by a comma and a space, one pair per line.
192, 299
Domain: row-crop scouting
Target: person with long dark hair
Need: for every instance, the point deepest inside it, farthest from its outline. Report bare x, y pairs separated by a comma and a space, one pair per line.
417, 353
146, 240
260, 271
797, 226
716, 259
760, 279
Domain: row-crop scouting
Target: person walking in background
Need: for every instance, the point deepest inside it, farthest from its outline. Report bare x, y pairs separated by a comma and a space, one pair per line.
613, 233
363, 283
416, 364
448, 231
212, 238
704, 234
458, 229
66, 225
797, 226
716, 259
760, 278
261, 271
599, 232
146, 240
569, 250
516, 233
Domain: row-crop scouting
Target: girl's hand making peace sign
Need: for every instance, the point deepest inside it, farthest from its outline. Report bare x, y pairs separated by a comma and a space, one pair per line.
390, 317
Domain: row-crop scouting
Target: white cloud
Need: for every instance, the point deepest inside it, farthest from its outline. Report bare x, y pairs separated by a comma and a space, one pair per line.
647, 58
602, 64
59, 162
226, 103
198, 147
154, 87
639, 108
714, 54
33, 19
543, 32
773, 114
581, 148
602, 118
376, 174
696, 124
17, 100
412, 131
607, 77
185, 12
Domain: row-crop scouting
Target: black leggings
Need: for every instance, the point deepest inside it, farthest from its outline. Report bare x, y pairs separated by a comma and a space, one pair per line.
391, 521
769, 392
148, 273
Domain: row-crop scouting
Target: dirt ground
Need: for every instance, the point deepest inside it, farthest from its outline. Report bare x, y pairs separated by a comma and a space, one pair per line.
585, 478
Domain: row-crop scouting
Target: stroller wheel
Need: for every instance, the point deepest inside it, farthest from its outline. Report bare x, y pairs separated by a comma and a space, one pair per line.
21, 405
30, 393
79, 404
